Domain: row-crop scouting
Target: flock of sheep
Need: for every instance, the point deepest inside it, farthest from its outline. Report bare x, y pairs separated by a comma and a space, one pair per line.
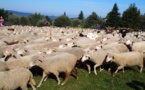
57, 50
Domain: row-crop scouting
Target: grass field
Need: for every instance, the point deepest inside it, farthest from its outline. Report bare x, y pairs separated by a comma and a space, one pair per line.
130, 80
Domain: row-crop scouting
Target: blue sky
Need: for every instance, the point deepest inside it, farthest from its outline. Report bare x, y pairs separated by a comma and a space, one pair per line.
71, 7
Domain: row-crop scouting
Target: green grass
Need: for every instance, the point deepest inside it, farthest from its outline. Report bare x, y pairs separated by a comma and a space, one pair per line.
130, 80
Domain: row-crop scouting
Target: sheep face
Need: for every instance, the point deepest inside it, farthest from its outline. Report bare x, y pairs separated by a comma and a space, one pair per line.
109, 58
6, 53
128, 42
50, 51
85, 57
98, 47
21, 52
35, 62
61, 46
104, 39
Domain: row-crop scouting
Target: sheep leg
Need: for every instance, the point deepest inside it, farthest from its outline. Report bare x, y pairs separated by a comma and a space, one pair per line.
43, 77
32, 83
24, 87
89, 68
76, 72
66, 77
141, 67
95, 68
33, 87
123, 70
109, 69
120, 67
101, 69
57, 77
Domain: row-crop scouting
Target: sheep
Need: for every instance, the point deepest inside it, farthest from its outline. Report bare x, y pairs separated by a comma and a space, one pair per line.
43, 45
78, 52
61, 62
138, 46
126, 59
21, 62
3, 66
97, 57
2, 50
119, 46
13, 79
84, 42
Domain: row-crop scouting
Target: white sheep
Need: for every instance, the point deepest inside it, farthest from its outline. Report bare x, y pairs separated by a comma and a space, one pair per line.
126, 59
13, 79
119, 46
3, 66
21, 61
77, 51
138, 46
97, 57
60, 62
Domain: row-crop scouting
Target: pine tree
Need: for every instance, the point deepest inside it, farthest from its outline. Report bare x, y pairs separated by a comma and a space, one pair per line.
62, 21
64, 13
4, 13
131, 17
91, 20
113, 17
81, 16
142, 22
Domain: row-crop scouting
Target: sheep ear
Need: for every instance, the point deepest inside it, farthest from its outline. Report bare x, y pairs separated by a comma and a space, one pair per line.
25, 50
39, 60
14, 56
88, 56
132, 42
112, 57
95, 49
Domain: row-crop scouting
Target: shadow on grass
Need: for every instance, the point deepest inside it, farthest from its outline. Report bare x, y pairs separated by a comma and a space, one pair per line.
136, 85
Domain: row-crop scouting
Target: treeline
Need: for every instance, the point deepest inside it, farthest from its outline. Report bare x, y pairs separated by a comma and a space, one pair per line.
131, 18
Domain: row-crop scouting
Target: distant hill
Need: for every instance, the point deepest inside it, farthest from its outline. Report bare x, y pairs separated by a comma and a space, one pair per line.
19, 13
26, 14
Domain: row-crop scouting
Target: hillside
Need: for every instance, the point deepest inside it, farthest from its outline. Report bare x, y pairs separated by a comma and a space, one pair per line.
26, 14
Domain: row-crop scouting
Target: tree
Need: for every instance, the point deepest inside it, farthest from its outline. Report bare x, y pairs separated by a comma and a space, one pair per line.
48, 20
142, 22
91, 20
5, 15
76, 22
131, 17
113, 17
24, 20
64, 13
37, 19
41, 22
81, 16
62, 21
13, 20
34, 18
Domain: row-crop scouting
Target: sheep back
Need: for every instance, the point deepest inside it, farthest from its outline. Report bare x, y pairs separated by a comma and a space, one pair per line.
11, 80
129, 58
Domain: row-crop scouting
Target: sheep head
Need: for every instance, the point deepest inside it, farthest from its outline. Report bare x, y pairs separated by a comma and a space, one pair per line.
85, 57
110, 57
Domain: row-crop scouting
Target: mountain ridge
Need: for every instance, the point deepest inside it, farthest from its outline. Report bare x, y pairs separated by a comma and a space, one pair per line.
19, 13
